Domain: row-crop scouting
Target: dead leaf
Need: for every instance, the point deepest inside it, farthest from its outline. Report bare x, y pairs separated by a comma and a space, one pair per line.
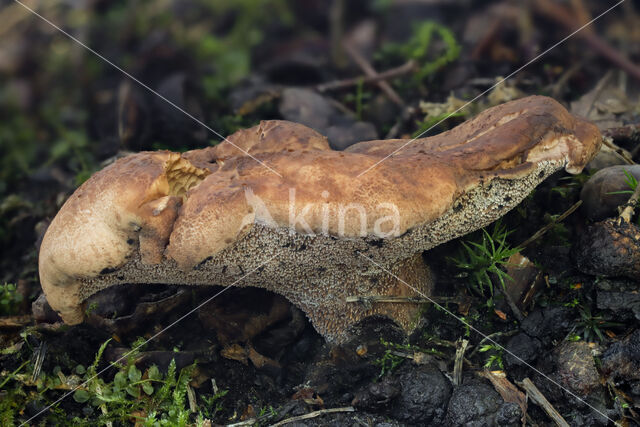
235, 352
501, 314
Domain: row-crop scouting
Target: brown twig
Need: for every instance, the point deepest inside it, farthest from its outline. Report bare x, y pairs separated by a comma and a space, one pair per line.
621, 397
314, 414
564, 17
630, 132
368, 69
627, 133
620, 151
512, 305
370, 299
11, 322
509, 392
407, 114
538, 398
562, 82
406, 68
336, 32
547, 227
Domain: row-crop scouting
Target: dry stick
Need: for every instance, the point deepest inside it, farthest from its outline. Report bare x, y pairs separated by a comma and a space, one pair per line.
608, 141
566, 19
368, 69
191, 397
336, 32
627, 212
547, 227
457, 365
314, 415
40, 354
512, 304
11, 322
621, 397
407, 68
417, 355
368, 299
562, 82
538, 398
404, 117
630, 132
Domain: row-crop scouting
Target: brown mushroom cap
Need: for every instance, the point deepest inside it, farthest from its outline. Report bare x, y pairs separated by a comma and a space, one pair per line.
210, 216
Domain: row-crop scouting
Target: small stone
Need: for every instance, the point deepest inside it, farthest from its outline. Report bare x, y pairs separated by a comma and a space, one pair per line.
609, 248
598, 202
424, 394
478, 404
576, 369
622, 359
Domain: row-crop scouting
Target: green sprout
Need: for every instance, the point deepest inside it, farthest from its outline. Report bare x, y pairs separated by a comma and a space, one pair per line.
389, 361
481, 260
631, 181
9, 299
591, 326
359, 99
420, 49
393, 355
494, 359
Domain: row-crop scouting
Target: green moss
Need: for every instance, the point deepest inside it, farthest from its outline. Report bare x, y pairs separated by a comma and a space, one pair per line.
420, 48
9, 299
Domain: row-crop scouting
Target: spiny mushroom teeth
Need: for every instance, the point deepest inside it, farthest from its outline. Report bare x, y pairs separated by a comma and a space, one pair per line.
320, 231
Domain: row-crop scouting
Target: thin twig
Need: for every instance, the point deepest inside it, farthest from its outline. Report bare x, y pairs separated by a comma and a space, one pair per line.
538, 398
562, 82
509, 392
10, 322
629, 133
336, 32
512, 304
620, 397
368, 69
547, 227
314, 414
406, 68
406, 115
566, 18
608, 141
457, 366
369, 299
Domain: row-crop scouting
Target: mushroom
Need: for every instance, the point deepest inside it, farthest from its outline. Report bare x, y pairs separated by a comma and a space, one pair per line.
320, 232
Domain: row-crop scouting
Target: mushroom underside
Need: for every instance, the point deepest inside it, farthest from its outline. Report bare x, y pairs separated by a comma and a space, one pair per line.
318, 272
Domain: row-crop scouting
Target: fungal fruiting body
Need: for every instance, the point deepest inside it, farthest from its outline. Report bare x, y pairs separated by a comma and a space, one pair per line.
319, 230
